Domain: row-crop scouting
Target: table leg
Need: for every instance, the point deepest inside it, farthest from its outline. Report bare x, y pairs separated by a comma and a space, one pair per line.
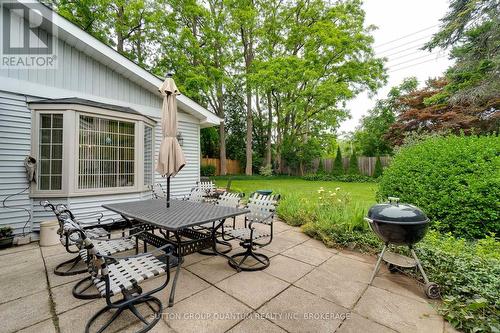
177, 271
214, 245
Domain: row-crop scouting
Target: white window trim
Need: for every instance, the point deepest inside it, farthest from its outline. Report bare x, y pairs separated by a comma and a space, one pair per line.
71, 127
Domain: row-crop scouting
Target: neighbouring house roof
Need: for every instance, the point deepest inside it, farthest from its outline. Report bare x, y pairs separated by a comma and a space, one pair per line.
90, 45
86, 102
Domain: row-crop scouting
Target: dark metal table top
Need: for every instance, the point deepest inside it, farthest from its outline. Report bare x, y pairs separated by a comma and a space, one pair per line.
181, 214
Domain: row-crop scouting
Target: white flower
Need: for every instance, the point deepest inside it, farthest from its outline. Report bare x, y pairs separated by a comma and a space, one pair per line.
339, 200
337, 189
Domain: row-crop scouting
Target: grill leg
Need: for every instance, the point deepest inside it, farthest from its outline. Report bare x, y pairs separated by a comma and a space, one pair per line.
419, 265
379, 261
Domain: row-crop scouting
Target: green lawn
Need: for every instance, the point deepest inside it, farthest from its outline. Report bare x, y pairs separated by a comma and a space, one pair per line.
362, 193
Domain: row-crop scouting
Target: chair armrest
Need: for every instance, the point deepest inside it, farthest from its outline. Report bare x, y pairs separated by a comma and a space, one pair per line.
105, 238
262, 221
83, 221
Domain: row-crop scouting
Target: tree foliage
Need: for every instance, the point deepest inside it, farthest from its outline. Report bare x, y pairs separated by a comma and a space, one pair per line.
338, 165
353, 164
370, 136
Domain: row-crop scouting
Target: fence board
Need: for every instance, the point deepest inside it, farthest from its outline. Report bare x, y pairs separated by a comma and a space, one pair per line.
232, 166
366, 164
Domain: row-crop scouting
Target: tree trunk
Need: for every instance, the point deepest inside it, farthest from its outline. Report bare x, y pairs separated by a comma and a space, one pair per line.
248, 168
222, 149
269, 129
119, 33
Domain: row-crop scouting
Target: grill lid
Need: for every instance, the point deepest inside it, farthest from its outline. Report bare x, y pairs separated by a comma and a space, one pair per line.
395, 212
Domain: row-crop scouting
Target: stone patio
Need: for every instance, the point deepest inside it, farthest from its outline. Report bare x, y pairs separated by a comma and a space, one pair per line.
307, 288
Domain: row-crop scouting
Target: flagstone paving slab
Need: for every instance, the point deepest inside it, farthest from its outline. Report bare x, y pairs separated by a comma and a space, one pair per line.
288, 269
346, 268
22, 279
356, 324
252, 288
400, 313
24, 312
341, 291
46, 326
256, 324
211, 310
212, 270
297, 310
307, 254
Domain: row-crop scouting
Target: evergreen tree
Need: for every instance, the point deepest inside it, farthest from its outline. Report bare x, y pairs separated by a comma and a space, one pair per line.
353, 164
338, 166
321, 167
378, 168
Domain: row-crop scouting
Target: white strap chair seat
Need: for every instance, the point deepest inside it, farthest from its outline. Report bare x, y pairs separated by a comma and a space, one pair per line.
244, 234
110, 247
96, 232
128, 273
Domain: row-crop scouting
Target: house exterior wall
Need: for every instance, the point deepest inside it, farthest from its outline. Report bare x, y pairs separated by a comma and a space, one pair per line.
15, 145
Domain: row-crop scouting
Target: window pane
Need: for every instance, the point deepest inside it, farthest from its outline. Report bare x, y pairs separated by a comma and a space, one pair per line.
45, 137
45, 120
45, 167
44, 182
57, 120
57, 151
106, 151
148, 155
56, 167
50, 150
55, 182
57, 136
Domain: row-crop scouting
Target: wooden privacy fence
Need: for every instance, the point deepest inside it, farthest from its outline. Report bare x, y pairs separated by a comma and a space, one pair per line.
366, 164
232, 166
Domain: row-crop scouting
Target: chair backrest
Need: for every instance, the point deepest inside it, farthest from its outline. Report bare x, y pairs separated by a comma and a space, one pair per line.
208, 187
196, 195
229, 199
261, 206
158, 192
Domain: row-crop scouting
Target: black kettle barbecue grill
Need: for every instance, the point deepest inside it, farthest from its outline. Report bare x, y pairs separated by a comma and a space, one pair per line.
400, 224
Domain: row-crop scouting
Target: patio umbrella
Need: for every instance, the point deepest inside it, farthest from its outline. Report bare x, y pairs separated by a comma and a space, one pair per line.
170, 157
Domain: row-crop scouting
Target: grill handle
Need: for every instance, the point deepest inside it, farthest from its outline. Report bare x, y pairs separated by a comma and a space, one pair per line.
369, 220
393, 200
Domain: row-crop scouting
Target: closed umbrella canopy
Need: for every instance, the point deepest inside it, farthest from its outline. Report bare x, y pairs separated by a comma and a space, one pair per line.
170, 157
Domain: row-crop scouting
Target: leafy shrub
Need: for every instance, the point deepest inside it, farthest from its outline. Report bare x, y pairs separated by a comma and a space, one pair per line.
378, 168
454, 179
338, 166
6, 232
469, 276
207, 170
353, 164
341, 178
266, 171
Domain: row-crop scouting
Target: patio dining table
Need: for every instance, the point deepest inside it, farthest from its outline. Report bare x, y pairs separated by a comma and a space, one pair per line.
175, 224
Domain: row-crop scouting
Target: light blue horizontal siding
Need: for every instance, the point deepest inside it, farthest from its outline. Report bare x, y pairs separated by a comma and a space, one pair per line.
15, 145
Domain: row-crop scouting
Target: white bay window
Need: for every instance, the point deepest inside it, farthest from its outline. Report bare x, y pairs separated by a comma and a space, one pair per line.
83, 150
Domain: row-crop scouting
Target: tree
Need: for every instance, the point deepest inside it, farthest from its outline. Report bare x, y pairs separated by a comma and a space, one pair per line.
423, 111
244, 14
353, 164
338, 165
321, 167
370, 136
378, 168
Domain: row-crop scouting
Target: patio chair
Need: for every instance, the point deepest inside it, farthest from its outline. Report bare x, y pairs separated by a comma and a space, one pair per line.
120, 277
157, 191
196, 195
262, 209
92, 223
226, 200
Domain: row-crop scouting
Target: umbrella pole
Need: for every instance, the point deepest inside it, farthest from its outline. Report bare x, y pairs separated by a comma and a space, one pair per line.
168, 191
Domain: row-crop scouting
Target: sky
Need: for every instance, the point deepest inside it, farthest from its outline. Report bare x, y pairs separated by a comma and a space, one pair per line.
403, 26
